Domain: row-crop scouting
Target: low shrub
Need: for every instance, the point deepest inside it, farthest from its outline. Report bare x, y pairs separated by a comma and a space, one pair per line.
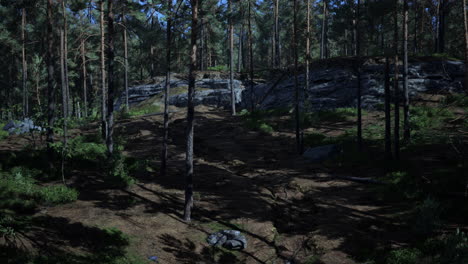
117, 172
57, 194
426, 217
404, 256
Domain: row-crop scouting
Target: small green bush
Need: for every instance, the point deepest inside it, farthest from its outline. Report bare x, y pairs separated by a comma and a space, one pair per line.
3, 134
404, 256
426, 217
57, 194
118, 176
455, 249
460, 100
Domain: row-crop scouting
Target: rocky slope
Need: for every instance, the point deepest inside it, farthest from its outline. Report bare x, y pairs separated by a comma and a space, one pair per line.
332, 84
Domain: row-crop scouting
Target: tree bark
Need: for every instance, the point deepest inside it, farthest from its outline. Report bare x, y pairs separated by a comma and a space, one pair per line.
296, 83
124, 20
24, 64
406, 116
231, 59
396, 89
277, 36
252, 107
465, 19
84, 80
110, 83
240, 53
50, 83
191, 114
388, 119
167, 87
358, 68
65, 49
323, 38
103, 73
308, 38
64, 101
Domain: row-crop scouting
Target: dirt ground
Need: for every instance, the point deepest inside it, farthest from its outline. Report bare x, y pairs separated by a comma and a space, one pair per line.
289, 209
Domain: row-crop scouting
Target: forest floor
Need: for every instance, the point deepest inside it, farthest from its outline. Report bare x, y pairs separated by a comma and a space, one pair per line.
289, 208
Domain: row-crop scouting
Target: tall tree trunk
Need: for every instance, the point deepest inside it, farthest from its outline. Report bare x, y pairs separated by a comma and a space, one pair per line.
422, 8
50, 83
24, 64
231, 59
308, 37
324, 25
277, 36
124, 19
358, 68
441, 30
202, 45
251, 58
191, 114
110, 83
64, 101
84, 79
296, 83
239, 50
388, 119
382, 39
406, 125
437, 33
395, 87
103, 73
167, 86
65, 49
465, 19
415, 29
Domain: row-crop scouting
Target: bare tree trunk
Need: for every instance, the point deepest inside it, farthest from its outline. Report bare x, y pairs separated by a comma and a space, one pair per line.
84, 73
277, 36
396, 89
358, 54
24, 64
324, 24
441, 30
231, 59
127, 106
251, 58
240, 54
202, 45
465, 19
50, 83
103, 73
406, 125
110, 83
191, 114
437, 34
167, 87
296, 84
308, 58
388, 119
65, 49
64, 101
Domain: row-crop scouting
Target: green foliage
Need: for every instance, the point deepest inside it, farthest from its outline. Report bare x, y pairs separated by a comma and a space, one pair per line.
219, 68
455, 249
139, 111
460, 100
257, 120
57, 194
20, 191
117, 174
404, 256
426, 217
398, 185
427, 122
3, 134
335, 115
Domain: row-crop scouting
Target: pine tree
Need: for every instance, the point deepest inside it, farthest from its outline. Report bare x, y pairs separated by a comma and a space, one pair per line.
191, 114
110, 82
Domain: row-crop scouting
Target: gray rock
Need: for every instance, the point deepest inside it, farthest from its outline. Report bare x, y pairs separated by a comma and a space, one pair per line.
230, 239
21, 127
214, 92
336, 86
321, 153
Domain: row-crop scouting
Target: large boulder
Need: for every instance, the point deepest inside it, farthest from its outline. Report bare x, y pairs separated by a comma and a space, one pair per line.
230, 239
